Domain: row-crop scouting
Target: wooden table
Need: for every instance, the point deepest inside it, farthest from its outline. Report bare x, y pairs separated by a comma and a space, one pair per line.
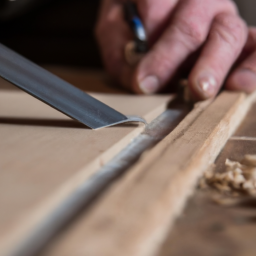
49, 161
207, 228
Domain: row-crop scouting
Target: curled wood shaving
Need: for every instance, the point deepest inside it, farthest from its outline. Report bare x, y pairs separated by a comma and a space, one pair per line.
238, 179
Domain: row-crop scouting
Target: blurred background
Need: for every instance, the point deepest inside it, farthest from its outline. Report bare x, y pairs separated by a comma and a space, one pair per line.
60, 32
51, 32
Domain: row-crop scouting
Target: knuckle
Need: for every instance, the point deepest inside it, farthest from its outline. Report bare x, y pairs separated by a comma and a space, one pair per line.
230, 29
108, 20
164, 66
191, 32
231, 7
161, 63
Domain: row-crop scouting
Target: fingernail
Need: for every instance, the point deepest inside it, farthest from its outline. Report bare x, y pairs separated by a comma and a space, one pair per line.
207, 86
149, 85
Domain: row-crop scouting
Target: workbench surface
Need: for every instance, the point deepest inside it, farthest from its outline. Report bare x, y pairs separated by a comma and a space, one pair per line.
204, 227
208, 228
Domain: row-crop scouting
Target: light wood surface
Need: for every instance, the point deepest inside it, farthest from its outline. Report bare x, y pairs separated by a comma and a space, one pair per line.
134, 215
45, 155
208, 228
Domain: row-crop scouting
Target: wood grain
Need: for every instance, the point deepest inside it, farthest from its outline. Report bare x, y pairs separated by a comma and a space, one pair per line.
134, 215
45, 155
207, 228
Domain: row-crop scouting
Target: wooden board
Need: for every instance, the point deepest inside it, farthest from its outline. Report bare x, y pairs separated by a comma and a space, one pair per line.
207, 228
45, 155
134, 215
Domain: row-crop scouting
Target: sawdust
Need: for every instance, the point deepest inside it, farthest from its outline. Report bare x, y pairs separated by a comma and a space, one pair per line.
236, 183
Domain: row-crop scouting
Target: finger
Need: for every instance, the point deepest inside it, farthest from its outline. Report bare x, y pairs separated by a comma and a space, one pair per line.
243, 78
113, 34
225, 43
187, 32
155, 15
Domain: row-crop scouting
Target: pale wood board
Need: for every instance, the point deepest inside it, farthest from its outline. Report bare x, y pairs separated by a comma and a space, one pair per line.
45, 155
134, 215
209, 228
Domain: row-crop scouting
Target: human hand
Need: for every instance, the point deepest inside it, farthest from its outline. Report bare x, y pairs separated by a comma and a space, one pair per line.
203, 37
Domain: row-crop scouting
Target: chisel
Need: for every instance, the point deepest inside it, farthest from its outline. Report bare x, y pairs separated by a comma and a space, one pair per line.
58, 93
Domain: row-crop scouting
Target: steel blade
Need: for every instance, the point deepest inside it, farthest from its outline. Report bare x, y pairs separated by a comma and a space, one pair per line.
56, 92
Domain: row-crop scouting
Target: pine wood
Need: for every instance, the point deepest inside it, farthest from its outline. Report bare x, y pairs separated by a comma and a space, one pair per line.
134, 215
46, 155
207, 228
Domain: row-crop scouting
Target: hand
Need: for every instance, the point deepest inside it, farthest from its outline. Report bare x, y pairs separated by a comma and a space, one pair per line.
203, 37
243, 75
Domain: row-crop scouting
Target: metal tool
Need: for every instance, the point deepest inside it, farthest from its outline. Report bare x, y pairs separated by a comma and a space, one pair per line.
133, 19
136, 49
57, 93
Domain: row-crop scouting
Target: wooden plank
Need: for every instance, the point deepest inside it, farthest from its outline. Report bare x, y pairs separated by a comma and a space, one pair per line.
208, 228
46, 155
134, 215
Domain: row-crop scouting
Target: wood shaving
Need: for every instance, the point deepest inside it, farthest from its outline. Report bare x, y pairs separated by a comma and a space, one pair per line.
238, 180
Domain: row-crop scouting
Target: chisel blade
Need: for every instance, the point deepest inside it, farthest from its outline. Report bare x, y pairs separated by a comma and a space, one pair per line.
57, 93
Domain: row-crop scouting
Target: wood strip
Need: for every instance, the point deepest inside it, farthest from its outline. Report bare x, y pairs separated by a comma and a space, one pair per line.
209, 227
243, 138
134, 215
46, 155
